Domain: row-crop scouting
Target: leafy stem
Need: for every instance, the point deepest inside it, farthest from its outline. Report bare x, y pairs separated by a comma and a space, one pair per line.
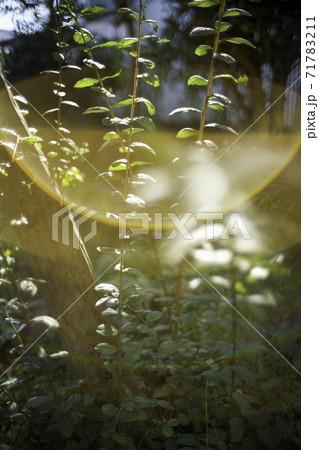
127, 173
59, 112
211, 71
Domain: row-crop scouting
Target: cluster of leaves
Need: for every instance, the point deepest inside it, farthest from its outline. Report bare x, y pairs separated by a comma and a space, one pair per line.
175, 393
213, 100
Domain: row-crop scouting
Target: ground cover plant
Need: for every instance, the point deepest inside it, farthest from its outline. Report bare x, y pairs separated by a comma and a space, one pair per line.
162, 336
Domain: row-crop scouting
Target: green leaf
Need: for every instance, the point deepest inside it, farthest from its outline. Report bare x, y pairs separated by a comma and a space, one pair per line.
185, 109
202, 50
239, 40
126, 42
105, 348
151, 79
187, 132
231, 12
105, 44
167, 431
221, 97
126, 102
21, 98
224, 26
144, 146
237, 429
68, 102
96, 109
110, 136
58, 57
65, 427
113, 76
136, 201
133, 130
147, 62
148, 104
82, 36
140, 163
146, 122
202, 31
216, 105
93, 64
225, 58
222, 127
153, 316
118, 165
169, 346
130, 11
107, 288
86, 82
94, 10
241, 80
106, 329
197, 80
109, 410
204, 3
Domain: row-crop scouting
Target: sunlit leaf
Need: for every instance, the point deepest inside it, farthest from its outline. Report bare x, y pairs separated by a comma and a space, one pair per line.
215, 104
241, 80
105, 44
232, 12
132, 130
126, 102
187, 132
239, 40
222, 127
118, 165
144, 146
151, 79
135, 200
94, 10
46, 321
148, 104
185, 109
110, 136
202, 50
70, 103
224, 57
146, 122
93, 64
86, 82
224, 26
82, 36
126, 42
147, 62
202, 31
197, 80
96, 109
204, 3
130, 11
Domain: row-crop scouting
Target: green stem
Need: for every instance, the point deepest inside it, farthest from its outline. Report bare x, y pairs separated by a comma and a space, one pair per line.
211, 71
178, 297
